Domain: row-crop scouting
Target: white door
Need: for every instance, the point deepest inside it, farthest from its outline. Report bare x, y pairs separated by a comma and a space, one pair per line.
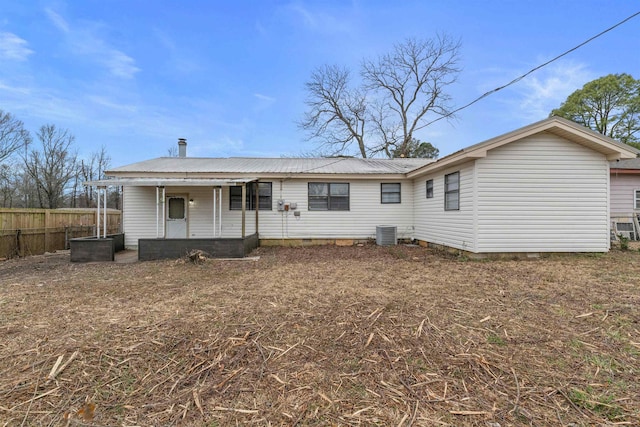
176, 217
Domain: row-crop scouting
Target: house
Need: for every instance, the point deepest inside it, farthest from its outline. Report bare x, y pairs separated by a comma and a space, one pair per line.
625, 197
541, 188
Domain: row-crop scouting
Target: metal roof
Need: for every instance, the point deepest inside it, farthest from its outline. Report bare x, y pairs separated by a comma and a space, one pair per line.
284, 166
161, 182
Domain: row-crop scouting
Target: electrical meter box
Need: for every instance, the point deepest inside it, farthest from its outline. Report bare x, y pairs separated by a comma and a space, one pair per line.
281, 205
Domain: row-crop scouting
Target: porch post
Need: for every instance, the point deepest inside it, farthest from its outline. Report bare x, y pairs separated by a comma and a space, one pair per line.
98, 213
104, 207
162, 204
244, 207
215, 208
257, 184
157, 212
220, 212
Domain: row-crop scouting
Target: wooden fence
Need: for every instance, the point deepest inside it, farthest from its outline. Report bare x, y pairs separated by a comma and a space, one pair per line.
36, 231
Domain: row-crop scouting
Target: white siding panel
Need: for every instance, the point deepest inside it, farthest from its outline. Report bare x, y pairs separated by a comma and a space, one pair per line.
139, 215
622, 194
359, 222
542, 194
365, 213
450, 228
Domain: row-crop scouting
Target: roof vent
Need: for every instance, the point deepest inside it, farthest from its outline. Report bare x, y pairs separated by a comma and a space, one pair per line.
386, 235
182, 147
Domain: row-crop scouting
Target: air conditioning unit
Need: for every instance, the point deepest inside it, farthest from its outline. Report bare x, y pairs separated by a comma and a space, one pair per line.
625, 229
386, 235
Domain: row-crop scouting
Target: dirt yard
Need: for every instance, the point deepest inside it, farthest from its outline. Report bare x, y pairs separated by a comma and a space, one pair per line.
343, 336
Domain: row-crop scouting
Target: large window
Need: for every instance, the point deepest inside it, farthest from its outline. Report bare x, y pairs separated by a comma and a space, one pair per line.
264, 191
452, 192
636, 204
430, 189
390, 193
328, 196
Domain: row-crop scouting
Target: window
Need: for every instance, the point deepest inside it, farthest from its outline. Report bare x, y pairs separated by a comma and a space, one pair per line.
325, 196
264, 191
390, 193
636, 204
176, 208
452, 192
430, 189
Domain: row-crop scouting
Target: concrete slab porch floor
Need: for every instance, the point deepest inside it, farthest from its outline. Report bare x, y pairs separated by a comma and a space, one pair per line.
128, 256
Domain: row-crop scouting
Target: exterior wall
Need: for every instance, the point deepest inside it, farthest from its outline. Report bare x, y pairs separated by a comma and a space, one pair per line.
365, 213
542, 194
622, 193
449, 228
359, 222
138, 214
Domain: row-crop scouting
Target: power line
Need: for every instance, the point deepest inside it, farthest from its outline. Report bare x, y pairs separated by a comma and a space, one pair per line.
533, 69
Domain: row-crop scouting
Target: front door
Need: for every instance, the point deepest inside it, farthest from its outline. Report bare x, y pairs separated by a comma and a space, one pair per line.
176, 217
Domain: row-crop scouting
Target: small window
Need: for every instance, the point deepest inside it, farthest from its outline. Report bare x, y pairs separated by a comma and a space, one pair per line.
636, 204
430, 189
264, 194
176, 208
452, 192
390, 193
325, 196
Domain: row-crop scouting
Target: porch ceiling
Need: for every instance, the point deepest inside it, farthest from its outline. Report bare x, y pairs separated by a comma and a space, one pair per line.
169, 182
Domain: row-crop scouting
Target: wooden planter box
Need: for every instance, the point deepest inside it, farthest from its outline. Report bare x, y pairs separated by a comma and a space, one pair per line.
91, 249
152, 249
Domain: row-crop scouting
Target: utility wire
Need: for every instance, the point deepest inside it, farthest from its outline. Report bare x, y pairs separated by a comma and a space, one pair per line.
533, 69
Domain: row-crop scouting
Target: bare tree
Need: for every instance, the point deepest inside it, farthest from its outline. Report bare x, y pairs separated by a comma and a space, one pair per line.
337, 113
53, 167
12, 135
172, 151
8, 187
91, 169
399, 92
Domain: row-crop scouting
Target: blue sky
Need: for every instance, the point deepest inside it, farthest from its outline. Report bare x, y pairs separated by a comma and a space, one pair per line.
135, 76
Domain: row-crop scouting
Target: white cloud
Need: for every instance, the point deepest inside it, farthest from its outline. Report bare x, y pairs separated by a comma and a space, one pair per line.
540, 93
317, 21
13, 47
57, 20
119, 64
262, 97
85, 39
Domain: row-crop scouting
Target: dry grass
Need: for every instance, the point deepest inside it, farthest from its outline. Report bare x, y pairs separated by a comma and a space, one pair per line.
322, 336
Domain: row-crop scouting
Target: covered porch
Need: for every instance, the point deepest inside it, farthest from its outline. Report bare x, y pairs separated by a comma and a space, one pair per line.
180, 224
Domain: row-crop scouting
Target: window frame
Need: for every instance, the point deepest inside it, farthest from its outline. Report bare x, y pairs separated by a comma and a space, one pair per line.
329, 197
429, 188
636, 199
383, 192
452, 191
251, 197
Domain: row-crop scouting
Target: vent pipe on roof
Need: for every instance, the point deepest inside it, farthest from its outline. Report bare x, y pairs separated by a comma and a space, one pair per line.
182, 147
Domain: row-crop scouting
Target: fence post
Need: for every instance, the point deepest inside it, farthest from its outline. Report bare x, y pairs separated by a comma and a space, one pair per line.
47, 237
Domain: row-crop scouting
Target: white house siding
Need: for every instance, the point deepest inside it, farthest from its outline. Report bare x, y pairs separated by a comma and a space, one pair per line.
542, 194
449, 228
623, 187
139, 217
359, 222
365, 213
